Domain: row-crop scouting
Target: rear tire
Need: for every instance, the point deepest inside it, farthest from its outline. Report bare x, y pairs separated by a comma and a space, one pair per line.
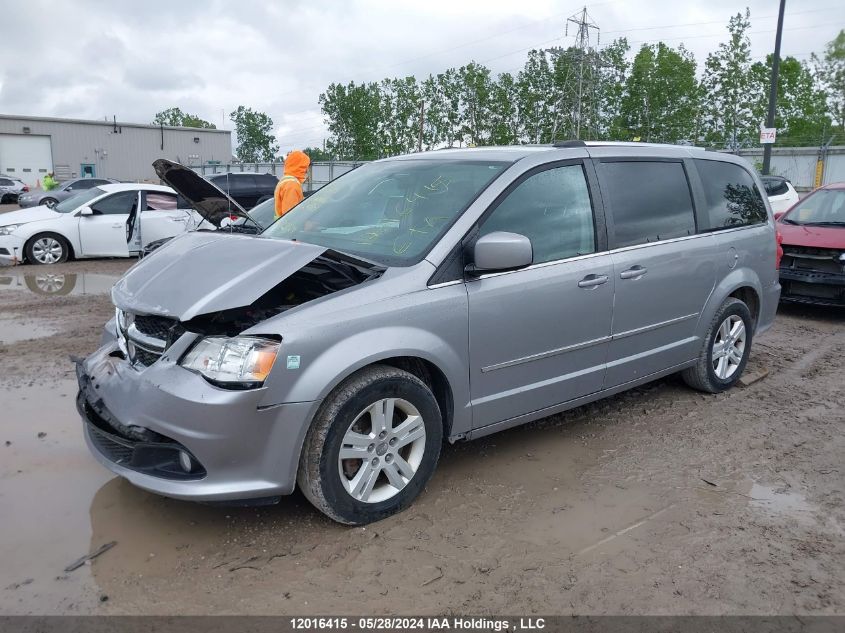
388, 425
47, 248
725, 349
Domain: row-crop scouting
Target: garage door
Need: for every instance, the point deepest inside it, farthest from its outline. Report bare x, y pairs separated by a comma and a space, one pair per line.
29, 158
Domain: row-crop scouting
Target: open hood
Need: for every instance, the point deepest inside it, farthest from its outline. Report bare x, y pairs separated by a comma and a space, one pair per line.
194, 275
188, 279
207, 199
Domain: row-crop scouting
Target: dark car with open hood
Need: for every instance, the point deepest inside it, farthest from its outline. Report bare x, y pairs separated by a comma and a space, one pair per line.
219, 210
812, 269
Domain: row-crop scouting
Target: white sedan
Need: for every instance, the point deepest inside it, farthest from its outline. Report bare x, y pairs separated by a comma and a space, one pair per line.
99, 222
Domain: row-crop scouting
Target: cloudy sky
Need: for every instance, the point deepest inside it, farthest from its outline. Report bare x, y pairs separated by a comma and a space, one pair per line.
95, 59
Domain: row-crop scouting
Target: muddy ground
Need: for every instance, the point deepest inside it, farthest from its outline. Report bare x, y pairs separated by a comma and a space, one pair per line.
658, 501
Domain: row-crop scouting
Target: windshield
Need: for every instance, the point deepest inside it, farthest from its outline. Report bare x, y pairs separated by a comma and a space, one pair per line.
823, 207
392, 212
264, 213
74, 202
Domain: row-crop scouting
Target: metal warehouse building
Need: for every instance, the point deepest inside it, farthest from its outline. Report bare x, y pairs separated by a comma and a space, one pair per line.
30, 147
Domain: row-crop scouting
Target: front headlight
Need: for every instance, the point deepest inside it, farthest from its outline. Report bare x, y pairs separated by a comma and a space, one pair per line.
242, 361
9, 229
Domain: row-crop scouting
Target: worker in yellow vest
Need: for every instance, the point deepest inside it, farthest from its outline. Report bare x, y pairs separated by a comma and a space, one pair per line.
289, 190
50, 182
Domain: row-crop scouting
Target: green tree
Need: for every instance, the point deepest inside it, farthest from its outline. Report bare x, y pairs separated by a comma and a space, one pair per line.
174, 117
535, 87
254, 131
476, 87
317, 154
661, 96
505, 117
728, 117
352, 114
399, 116
801, 117
613, 72
830, 71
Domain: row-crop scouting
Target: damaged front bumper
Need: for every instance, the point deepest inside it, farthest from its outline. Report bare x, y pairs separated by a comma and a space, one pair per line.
812, 287
169, 431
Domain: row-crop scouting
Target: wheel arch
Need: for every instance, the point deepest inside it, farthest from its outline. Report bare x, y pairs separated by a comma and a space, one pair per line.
742, 284
71, 254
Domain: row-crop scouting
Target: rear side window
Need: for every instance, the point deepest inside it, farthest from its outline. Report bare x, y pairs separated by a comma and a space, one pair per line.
158, 201
80, 185
732, 199
649, 201
775, 186
117, 204
551, 208
5, 182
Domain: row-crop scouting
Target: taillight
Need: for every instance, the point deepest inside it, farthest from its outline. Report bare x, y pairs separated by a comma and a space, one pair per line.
779, 251
25, 189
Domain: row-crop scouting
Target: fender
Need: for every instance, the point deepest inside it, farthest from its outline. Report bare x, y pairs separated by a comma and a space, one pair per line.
350, 354
736, 279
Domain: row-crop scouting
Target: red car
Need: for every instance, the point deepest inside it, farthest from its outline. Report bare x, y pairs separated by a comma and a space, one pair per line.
812, 269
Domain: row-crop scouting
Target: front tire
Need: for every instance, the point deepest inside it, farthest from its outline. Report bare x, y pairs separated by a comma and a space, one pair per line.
49, 202
725, 350
47, 248
372, 447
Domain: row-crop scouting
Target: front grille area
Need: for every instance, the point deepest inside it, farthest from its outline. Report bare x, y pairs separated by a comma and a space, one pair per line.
163, 328
826, 260
144, 338
113, 448
142, 357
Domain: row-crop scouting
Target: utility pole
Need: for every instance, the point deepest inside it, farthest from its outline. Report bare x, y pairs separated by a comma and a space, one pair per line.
773, 90
582, 42
422, 122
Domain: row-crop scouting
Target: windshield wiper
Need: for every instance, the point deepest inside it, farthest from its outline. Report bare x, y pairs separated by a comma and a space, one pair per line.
824, 223
788, 221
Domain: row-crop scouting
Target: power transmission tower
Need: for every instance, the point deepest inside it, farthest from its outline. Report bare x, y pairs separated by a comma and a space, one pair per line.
583, 87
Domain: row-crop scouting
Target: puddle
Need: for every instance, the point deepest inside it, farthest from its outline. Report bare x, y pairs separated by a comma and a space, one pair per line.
788, 503
14, 329
46, 488
57, 284
58, 504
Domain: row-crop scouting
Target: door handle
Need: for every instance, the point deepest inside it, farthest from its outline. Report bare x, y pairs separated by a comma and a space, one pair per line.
591, 281
634, 272
116, 226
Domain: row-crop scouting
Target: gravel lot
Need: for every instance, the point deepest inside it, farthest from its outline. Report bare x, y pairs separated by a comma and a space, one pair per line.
657, 501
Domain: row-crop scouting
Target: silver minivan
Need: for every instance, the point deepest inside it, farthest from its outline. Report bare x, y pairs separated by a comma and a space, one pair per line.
444, 295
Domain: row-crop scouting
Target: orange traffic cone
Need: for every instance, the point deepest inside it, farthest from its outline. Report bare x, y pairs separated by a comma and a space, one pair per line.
38, 183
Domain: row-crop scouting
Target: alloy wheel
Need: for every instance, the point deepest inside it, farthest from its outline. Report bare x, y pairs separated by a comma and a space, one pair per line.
381, 450
47, 250
728, 347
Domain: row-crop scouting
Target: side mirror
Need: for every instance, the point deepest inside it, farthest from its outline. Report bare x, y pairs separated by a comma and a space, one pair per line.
86, 211
502, 251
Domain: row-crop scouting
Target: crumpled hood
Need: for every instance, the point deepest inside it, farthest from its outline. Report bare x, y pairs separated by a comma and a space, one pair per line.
194, 274
207, 198
296, 165
33, 214
812, 236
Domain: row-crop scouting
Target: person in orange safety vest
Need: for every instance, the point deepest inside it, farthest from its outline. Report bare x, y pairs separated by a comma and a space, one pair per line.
289, 190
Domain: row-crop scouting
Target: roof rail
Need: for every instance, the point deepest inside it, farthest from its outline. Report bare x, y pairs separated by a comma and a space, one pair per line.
572, 143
